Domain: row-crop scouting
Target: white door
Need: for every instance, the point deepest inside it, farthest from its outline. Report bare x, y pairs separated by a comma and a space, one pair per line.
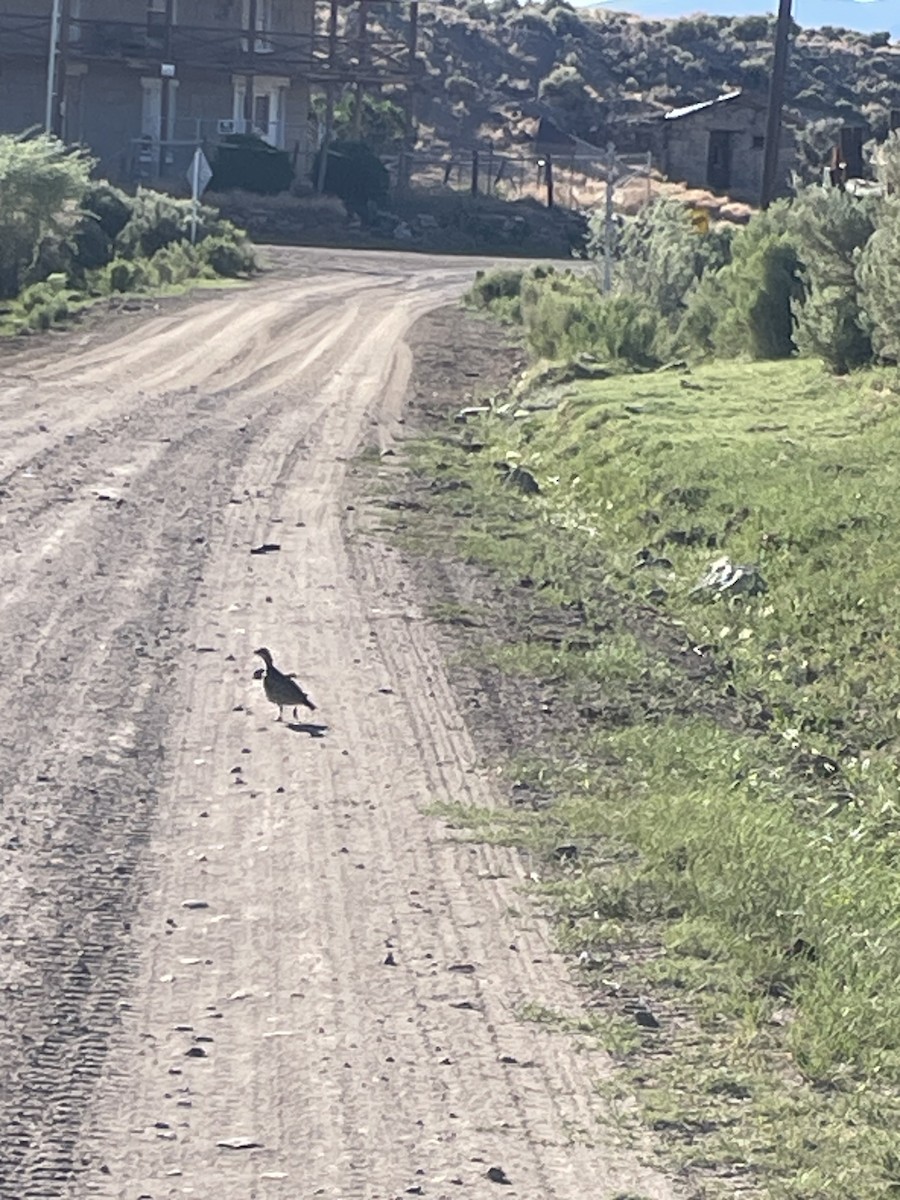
267, 118
151, 109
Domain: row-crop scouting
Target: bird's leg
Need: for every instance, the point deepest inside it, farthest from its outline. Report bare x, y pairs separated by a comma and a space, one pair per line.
280, 716
295, 712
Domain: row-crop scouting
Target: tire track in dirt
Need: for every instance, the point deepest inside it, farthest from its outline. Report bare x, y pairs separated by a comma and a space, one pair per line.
200, 902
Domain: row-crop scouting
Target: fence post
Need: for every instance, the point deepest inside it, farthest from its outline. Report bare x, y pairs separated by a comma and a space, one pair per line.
325, 148
548, 178
474, 172
649, 180
608, 219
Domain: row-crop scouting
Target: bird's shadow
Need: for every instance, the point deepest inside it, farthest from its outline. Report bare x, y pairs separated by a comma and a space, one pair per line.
313, 731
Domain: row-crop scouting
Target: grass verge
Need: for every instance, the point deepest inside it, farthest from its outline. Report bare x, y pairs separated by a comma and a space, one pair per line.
709, 780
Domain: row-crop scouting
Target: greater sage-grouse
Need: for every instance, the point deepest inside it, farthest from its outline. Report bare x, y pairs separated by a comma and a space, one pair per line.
281, 689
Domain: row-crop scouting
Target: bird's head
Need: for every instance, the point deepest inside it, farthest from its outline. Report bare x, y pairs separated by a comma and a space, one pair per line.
264, 655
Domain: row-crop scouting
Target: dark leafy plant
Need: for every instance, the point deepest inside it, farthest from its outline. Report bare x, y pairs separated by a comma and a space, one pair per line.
356, 175
251, 164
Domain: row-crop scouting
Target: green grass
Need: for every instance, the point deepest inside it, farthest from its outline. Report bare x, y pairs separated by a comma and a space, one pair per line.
739, 836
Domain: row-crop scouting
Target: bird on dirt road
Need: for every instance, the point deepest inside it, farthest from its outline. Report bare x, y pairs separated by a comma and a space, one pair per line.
281, 689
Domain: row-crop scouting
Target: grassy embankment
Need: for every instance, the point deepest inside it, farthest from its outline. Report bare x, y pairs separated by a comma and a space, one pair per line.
737, 825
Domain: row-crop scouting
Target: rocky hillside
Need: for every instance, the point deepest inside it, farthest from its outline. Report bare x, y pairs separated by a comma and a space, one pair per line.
492, 68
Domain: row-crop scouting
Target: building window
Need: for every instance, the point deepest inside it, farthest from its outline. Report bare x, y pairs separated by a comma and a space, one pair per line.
759, 142
265, 25
264, 20
156, 12
75, 15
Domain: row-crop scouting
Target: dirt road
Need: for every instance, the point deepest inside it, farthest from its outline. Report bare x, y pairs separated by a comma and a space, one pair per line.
239, 959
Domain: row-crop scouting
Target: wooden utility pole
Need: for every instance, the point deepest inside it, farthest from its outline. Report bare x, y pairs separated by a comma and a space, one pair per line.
776, 104
65, 21
359, 89
548, 179
165, 93
409, 101
52, 67
325, 147
250, 77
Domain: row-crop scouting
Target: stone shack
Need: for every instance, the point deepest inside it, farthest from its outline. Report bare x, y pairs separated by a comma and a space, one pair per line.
718, 144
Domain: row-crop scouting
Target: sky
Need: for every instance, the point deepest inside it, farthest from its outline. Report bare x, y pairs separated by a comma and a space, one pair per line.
870, 16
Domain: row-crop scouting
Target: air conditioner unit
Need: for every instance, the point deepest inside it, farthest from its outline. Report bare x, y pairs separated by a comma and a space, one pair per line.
225, 127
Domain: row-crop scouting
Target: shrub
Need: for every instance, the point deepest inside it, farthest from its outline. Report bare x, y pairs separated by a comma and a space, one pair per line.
660, 254
42, 183
247, 162
110, 206
831, 327
879, 262
758, 289
228, 256
703, 309
565, 22
176, 264
750, 29
52, 288
355, 174
122, 275
42, 305
830, 228
490, 286
91, 247
887, 164
565, 315
564, 86
878, 275
460, 88
105, 212
158, 220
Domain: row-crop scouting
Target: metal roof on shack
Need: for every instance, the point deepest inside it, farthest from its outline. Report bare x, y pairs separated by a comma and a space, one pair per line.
674, 113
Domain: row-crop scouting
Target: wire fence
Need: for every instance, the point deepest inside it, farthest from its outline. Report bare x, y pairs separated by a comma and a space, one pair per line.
576, 181
569, 180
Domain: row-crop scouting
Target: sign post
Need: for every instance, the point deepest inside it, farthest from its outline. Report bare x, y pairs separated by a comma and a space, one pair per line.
199, 174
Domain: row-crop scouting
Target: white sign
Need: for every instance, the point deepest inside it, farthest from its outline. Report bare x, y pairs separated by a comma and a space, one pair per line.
199, 174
